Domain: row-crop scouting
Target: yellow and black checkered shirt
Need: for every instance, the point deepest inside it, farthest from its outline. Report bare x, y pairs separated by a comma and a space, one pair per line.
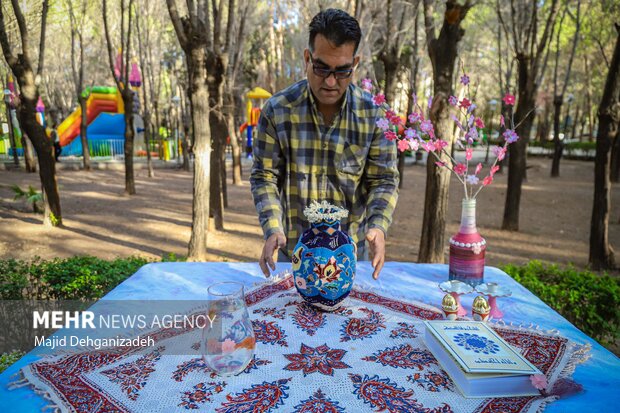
297, 160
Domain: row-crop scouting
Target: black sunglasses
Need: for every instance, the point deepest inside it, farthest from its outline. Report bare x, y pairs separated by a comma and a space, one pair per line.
325, 73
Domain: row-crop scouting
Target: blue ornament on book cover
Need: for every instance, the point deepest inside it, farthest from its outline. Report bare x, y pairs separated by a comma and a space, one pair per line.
324, 258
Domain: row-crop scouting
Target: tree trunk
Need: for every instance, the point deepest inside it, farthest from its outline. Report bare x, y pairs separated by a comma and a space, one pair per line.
601, 253
443, 52
216, 65
83, 133
234, 138
148, 138
517, 150
199, 98
130, 185
218, 138
31, 165
614, 173
558, 145
575, 121
45, 153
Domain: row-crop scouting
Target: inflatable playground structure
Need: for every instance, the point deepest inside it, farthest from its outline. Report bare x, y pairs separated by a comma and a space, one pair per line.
106, 127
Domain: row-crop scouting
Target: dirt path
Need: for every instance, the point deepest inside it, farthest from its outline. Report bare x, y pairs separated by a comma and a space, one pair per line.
101, 221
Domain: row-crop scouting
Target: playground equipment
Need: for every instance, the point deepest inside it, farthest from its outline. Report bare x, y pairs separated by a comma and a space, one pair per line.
101, 100
253, 113
104, 116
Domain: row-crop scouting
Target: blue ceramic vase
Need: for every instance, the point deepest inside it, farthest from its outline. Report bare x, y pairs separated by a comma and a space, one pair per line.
324, 258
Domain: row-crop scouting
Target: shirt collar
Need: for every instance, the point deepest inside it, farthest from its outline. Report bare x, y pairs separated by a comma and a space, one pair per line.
313, 102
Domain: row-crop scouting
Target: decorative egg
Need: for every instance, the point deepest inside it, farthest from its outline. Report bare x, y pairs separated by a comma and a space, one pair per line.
480, 309
450, 307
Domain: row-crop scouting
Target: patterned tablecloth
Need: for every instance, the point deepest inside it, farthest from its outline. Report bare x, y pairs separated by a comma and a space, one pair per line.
368, 356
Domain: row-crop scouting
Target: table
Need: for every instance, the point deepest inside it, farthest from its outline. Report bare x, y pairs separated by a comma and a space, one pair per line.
600, 375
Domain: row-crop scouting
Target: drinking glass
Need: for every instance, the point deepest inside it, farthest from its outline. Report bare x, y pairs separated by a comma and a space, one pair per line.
229, 340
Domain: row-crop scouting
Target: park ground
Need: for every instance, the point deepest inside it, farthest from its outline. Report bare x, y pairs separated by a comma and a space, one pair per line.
100, 220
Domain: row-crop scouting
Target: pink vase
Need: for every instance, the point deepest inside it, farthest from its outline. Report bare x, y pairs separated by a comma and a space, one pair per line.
467, 248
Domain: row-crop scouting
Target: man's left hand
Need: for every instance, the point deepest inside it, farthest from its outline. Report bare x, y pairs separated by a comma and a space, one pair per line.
376, 240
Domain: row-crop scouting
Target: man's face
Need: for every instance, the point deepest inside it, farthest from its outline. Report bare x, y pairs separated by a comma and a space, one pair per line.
327, 57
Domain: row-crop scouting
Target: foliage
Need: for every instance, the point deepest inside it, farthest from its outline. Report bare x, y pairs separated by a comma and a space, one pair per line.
571, 146
6, 359
589, 301
32, 197
64, 278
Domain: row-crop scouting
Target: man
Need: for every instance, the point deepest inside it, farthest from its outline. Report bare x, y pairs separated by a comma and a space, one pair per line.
318, 140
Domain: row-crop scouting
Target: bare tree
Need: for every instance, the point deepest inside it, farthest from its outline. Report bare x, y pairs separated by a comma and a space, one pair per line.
229, 99
28, 81
77, 70
147, 89
601, 253
530, 50
122, 83
443, 52
558, 92
191, 31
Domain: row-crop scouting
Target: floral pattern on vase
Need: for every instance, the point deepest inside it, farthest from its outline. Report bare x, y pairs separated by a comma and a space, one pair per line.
324, 258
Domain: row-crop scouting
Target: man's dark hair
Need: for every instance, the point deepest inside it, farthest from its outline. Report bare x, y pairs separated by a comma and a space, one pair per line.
337, 26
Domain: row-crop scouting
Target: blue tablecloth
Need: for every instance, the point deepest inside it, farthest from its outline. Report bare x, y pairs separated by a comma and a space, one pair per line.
600, 375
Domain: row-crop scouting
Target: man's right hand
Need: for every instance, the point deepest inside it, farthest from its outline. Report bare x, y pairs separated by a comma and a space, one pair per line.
275, 241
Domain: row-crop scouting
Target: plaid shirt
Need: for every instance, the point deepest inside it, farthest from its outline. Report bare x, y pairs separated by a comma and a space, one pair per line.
297, 159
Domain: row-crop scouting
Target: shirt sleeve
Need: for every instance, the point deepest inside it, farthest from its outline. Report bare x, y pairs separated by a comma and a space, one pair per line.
382, 179
267, 174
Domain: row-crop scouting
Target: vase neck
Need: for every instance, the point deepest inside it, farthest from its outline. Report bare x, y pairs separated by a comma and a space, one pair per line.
324, 225
468, 217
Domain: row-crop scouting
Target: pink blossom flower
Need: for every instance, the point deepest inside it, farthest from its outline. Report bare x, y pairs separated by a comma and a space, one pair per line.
472, 179
428, 146
411, 133
465, 79
389, 114
479, 123
403, 145
465, 103
499, 152
228, 346
378, 99
383, 124
478, 169
390, 135
510, 136
469, 152
501, 121
414, 145
487, 181
414, 117
453, 100
509, 99
440, 164
426, 126
367, 85
396, 120
539, 381
460, 169
440, 144
494, 169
